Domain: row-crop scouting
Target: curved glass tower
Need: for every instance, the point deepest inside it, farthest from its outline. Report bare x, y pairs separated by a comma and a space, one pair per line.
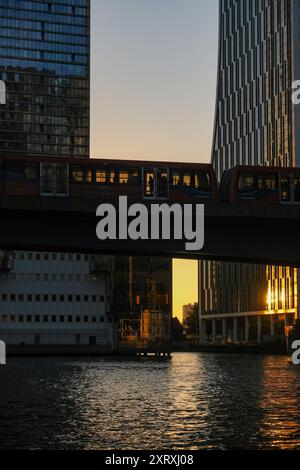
256, 123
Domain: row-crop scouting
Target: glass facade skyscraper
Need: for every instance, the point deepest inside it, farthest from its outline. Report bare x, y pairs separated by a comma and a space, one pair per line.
256, 123
49, 299
44, 61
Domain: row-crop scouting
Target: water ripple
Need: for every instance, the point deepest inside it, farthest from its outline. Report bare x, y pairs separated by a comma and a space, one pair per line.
195, 401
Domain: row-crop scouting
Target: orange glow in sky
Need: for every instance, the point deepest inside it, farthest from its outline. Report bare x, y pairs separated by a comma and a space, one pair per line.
185, 280
153, 83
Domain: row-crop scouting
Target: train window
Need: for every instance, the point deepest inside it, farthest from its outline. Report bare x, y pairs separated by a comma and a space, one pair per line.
267, 182
30, 171
285, 188
100, 176
77, 174
14, 170
162, 183
134, 176
149, 183
297, 187
81, 175
111, 176
187, 179
61, 187
175, 178
123, 177
47, 179
54, 179
246, 183
202, 181
88, 176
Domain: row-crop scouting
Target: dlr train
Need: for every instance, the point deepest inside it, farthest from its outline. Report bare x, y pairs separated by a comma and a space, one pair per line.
142, 180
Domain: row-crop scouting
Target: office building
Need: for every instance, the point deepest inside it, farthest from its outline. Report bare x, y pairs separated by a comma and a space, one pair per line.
49, 298
256, 123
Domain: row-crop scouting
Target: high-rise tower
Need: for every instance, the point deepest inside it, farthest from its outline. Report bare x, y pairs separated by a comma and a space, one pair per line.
49, 299
44, 61
256, 123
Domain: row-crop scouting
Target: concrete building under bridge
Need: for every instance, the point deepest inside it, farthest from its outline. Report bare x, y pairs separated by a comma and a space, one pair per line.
52, 300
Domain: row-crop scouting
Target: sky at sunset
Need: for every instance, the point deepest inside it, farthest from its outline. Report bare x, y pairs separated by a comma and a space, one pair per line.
153, 76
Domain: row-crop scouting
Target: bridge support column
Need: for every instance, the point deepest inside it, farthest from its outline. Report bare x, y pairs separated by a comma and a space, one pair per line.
272, 326
202, 331
214, 330
224, 329
258, 329
247, 329
235, 330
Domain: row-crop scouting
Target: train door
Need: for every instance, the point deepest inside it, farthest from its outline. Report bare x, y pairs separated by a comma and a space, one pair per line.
162, 176
285, 188
155, 183
54, 179
149, 183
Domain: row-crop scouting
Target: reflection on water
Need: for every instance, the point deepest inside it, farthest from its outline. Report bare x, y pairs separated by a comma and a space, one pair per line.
195, 401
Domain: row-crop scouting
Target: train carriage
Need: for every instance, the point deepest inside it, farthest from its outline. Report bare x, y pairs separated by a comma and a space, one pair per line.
258, 184
107, 179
